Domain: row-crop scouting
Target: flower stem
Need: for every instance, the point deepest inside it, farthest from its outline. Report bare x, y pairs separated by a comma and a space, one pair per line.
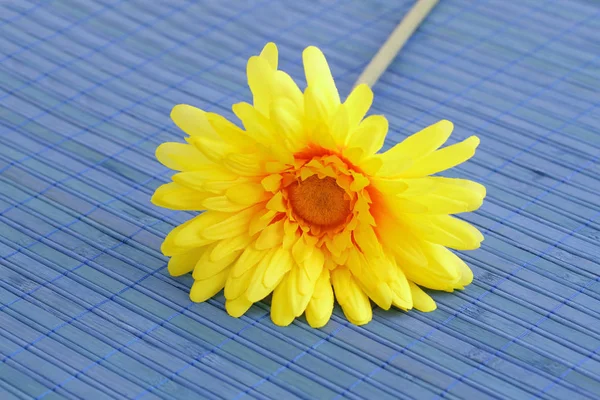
395, 42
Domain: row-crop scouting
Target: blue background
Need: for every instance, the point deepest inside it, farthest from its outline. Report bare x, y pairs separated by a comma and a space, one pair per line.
87, 309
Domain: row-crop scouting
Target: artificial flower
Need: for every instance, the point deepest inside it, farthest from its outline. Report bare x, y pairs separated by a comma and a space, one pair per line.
299, 203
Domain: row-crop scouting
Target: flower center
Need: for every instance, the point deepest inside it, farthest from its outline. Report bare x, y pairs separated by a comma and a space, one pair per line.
319, 201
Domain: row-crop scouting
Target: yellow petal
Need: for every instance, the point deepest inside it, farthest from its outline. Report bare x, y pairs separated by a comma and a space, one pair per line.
191, 234
415, 147
371, 165
256, 290
354, 154
230, 132
260, 221
270, 237
442, 271
404, 205
421, 300
282, 313
234, 225
192, 121
181, 157
311, 269
272, 183
317, 116
203, 290
402, 297
358, 104
285, 87
268, 274
405, 187
332, 262
340, 242
237, 307
270, 53
466, 275
389, 186
306, 173
302, 250
359, 182
242, 272
169, 246
247, 193
419, 186
407, 250
430, 281
368, 241
380, 292
222, 203
462, 183
248, 260
260, 77
250, 165
443, 159
450, 196
384, 268
442, 262
205, 267
410, 251
176, 197
449, 231
319, 75
392, 168
320, 306
236, 286
324, 138
352, 299
181, 264
257, 125
277, 167
288, 120
279, 265
225, 247
340, 126
370, 134
215, 149
376, 289
291, 234
199, 179
298, 301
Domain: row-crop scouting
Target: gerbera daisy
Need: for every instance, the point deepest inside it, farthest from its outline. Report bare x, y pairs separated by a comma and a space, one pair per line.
300, 204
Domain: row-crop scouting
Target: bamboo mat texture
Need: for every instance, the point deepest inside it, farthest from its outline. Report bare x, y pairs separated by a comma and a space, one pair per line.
87, 308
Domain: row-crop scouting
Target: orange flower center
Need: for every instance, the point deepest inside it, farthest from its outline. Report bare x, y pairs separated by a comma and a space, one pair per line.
319, 201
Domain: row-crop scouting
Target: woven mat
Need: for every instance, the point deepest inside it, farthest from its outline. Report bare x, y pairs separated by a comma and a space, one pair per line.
87, 308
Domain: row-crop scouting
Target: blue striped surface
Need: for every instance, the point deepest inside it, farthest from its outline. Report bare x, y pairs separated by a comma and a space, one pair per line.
87, 308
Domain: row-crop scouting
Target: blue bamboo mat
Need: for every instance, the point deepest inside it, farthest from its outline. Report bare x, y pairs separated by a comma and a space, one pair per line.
87, 309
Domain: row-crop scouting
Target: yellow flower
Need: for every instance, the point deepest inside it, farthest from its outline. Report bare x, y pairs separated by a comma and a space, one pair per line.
300, 204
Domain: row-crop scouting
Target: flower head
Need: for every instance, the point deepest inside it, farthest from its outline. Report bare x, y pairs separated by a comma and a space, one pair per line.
299, 203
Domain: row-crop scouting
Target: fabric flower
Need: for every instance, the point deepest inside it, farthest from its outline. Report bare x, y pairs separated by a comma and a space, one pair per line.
300, 204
